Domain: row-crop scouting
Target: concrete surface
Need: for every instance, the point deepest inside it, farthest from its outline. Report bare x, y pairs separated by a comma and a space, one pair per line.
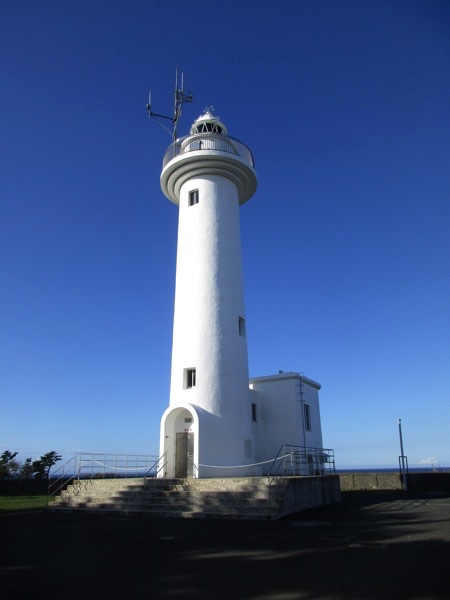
375, 545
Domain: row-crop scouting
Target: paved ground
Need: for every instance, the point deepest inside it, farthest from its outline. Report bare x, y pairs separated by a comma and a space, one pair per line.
373, 546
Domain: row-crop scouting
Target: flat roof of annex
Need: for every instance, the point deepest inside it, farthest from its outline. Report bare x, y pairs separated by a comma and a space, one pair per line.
286, 375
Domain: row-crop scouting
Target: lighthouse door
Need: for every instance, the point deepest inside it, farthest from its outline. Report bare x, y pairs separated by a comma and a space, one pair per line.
184, 455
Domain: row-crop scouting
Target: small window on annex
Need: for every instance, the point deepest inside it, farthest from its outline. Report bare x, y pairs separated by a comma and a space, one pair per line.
193, 197
307, 417
241, 326
254, 412
190, 378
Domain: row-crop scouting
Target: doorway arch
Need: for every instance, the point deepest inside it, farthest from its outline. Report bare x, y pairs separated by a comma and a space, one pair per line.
179, 442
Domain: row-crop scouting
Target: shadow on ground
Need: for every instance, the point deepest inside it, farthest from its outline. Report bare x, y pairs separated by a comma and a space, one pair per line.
372, 546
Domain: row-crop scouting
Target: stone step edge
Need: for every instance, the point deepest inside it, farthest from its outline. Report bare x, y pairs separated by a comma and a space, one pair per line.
170, 514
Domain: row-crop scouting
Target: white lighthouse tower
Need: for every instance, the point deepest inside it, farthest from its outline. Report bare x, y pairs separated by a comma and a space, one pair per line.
207, 429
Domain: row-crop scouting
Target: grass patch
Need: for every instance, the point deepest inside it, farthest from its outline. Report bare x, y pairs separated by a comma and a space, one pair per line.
19, 503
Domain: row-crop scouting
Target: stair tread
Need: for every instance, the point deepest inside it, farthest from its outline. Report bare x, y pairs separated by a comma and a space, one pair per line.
203, 498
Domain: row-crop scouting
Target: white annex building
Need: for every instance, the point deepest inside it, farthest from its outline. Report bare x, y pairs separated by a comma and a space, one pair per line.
219, 423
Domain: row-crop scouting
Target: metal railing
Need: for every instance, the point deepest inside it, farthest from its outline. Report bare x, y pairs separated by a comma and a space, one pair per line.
290, 461
404, 471
301, 461
86, 467
208, 141
62, 477
157, 466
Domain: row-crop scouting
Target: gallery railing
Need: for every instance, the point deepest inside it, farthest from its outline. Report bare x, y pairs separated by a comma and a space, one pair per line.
208, 141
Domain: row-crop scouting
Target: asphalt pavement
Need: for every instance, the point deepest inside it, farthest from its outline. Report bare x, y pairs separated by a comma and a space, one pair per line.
373, 546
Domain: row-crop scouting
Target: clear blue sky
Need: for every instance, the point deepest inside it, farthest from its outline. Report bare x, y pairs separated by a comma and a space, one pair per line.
346, 244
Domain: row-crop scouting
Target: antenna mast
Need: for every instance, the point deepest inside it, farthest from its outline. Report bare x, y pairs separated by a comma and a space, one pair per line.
179, 98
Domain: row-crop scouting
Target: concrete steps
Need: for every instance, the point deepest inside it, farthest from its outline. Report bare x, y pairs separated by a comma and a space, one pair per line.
226, 498
236, 498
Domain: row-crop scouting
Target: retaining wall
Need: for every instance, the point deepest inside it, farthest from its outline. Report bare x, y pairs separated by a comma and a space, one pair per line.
302, 493
370, 481
416, 482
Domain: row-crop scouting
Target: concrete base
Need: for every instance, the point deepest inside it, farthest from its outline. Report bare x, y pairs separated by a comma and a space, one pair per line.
302, 493
225, 498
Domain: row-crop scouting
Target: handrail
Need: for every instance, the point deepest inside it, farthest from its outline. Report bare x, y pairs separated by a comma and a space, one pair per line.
206, 142
88, 466
404, 471
110, 466
302, 461
276, 463
157, 461
56, 485
290, 461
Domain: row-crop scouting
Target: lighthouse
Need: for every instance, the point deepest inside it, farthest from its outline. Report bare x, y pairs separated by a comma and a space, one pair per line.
206, 431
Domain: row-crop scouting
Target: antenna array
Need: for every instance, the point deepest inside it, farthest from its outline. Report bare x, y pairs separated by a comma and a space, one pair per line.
180, 97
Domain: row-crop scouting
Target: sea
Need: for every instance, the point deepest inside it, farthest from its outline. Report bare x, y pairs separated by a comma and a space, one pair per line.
395, 470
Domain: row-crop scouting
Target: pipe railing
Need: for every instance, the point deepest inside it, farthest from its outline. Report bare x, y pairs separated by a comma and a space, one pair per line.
63, 476
157, 466
291, 461
88, 466
208, 141
302, 461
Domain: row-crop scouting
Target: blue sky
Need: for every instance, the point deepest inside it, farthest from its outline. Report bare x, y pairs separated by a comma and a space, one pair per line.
345, 244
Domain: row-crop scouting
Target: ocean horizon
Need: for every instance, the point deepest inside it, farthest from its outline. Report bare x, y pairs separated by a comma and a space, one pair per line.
392, 470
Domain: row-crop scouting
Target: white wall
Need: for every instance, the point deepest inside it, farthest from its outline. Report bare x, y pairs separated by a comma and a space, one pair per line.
280, 413
209, 301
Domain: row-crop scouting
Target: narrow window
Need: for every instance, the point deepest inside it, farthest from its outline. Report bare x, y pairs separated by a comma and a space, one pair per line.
193, 197
241, 326
254, 412
189, 378
307, 417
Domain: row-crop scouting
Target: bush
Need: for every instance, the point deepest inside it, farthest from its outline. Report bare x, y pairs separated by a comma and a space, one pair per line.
10, 468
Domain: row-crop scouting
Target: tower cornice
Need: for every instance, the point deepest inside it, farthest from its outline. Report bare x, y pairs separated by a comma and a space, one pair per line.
203, 154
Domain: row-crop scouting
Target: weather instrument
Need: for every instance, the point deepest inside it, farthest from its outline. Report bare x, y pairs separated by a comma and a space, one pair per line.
179, 98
